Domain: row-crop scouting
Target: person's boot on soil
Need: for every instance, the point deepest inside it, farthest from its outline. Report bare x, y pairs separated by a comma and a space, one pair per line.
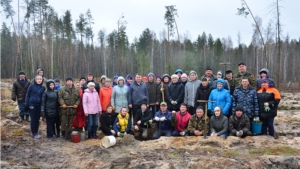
63, 134
90, 135
27, 118
36, 136
21, 118
94, 134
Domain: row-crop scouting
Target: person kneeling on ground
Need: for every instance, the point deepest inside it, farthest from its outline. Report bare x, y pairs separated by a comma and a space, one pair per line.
180, 121
163, 120
107, 120
122, 124
239, 124
141, 120
197, 123
219, 123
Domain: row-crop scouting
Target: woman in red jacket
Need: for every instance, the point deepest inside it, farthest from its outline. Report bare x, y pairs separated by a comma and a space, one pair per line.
79, 120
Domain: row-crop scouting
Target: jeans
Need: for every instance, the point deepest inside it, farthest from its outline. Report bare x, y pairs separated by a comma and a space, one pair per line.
159, 133
50, 124
268, 125
35, 115
92, 122
176, 133
21, 106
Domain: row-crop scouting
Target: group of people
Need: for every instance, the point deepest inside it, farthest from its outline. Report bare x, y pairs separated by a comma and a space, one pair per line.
180, 104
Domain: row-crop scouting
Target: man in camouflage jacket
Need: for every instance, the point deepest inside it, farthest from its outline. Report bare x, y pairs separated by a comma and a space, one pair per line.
244, 74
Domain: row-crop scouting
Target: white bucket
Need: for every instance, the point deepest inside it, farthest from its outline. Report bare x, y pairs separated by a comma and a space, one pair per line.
108, 141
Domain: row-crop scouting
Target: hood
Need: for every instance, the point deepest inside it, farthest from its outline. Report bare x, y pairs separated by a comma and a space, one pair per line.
221, 72
193, 73
264, 70
166, 75
48, 84
222, 81
120, 116
38, 71
102, 77
221, 112
127, 77
120, 78
89, 91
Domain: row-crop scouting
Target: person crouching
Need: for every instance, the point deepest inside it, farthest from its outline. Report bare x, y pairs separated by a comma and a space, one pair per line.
180, 121
239, 123
141, 120
107, 120
197, 123
122, 124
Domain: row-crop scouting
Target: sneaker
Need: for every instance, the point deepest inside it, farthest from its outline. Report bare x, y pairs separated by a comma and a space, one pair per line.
37, 136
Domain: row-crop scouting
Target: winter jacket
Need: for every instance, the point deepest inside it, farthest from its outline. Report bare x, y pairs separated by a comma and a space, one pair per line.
70, 97
107, 120
175, 93
163, 125
203, 93
79, 120
237, 124
219, 124
248, 75
233, 83
138, 93
50, 101
97, 86
34, 94
124, 123
247, 98
105, 96
144, 117
91, 102
119, 96
154, 92
102, 77
258, 81
115, 84
128, 76
180, 121
190, 91
211, 79
226, 85
198, 124
221, 97
165, 85
270, 95
19, 90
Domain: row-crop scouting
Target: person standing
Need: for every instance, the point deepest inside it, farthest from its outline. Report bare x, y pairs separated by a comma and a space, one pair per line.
268, 100
115, 81
33, 103
92, 108
175, 94
119, 95
154, 93
166, 79
138, 93
19, 90
57, 84
102, 81
203, 93
220, 76
129, 80
69, 99
158, 80
231, 81
40, 72
184, 79
264, 73
179, 72
50, 107
180, 121
90, 78
79, 121
105, 94
209, 75
245, 95
243, 73
191, 91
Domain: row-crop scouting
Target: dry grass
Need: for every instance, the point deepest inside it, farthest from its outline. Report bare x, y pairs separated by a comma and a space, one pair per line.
4, 134
229, 153
209, 149
283, 151
18, 132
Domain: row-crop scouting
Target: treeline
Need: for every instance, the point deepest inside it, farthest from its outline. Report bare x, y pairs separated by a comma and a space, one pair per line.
51, 42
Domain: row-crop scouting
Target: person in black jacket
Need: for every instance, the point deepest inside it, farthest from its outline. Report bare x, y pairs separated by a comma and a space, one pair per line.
90, 78
239, 123
107, 120
18, 93
175, 94
141, 120
50, 107
203, 93
153, 92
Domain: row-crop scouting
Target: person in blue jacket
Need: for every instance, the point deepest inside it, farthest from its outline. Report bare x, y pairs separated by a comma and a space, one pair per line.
163, 120
221, 97
33, 103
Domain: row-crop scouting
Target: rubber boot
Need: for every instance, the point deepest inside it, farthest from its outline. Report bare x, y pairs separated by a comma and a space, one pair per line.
27, 118
21, 118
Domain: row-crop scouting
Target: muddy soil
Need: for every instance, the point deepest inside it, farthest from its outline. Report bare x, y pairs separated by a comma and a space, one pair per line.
19, 150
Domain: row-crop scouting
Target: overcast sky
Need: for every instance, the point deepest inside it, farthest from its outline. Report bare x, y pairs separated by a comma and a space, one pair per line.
217, 17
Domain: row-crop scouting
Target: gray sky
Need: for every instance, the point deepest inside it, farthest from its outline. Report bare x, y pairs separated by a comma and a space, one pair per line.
217, 17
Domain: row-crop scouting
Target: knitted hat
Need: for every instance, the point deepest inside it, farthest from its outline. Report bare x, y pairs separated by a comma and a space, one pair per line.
21, 72
144, 78
91, 84
239, 107
200, 108
82, 78
178, 71
158, 77
228, 71
150, 74
208, 68
242, 63
174, 76
116, 77
265, 80
183, 75
69, 78
219, 73
57, 80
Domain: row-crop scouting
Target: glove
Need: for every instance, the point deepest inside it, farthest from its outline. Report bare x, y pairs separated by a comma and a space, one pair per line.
267, 108
182, 133
120, 134
75, 106
175, 102
156, 118
256, 119
64, 106
26, 108
162, 119
239, 133
172, 102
